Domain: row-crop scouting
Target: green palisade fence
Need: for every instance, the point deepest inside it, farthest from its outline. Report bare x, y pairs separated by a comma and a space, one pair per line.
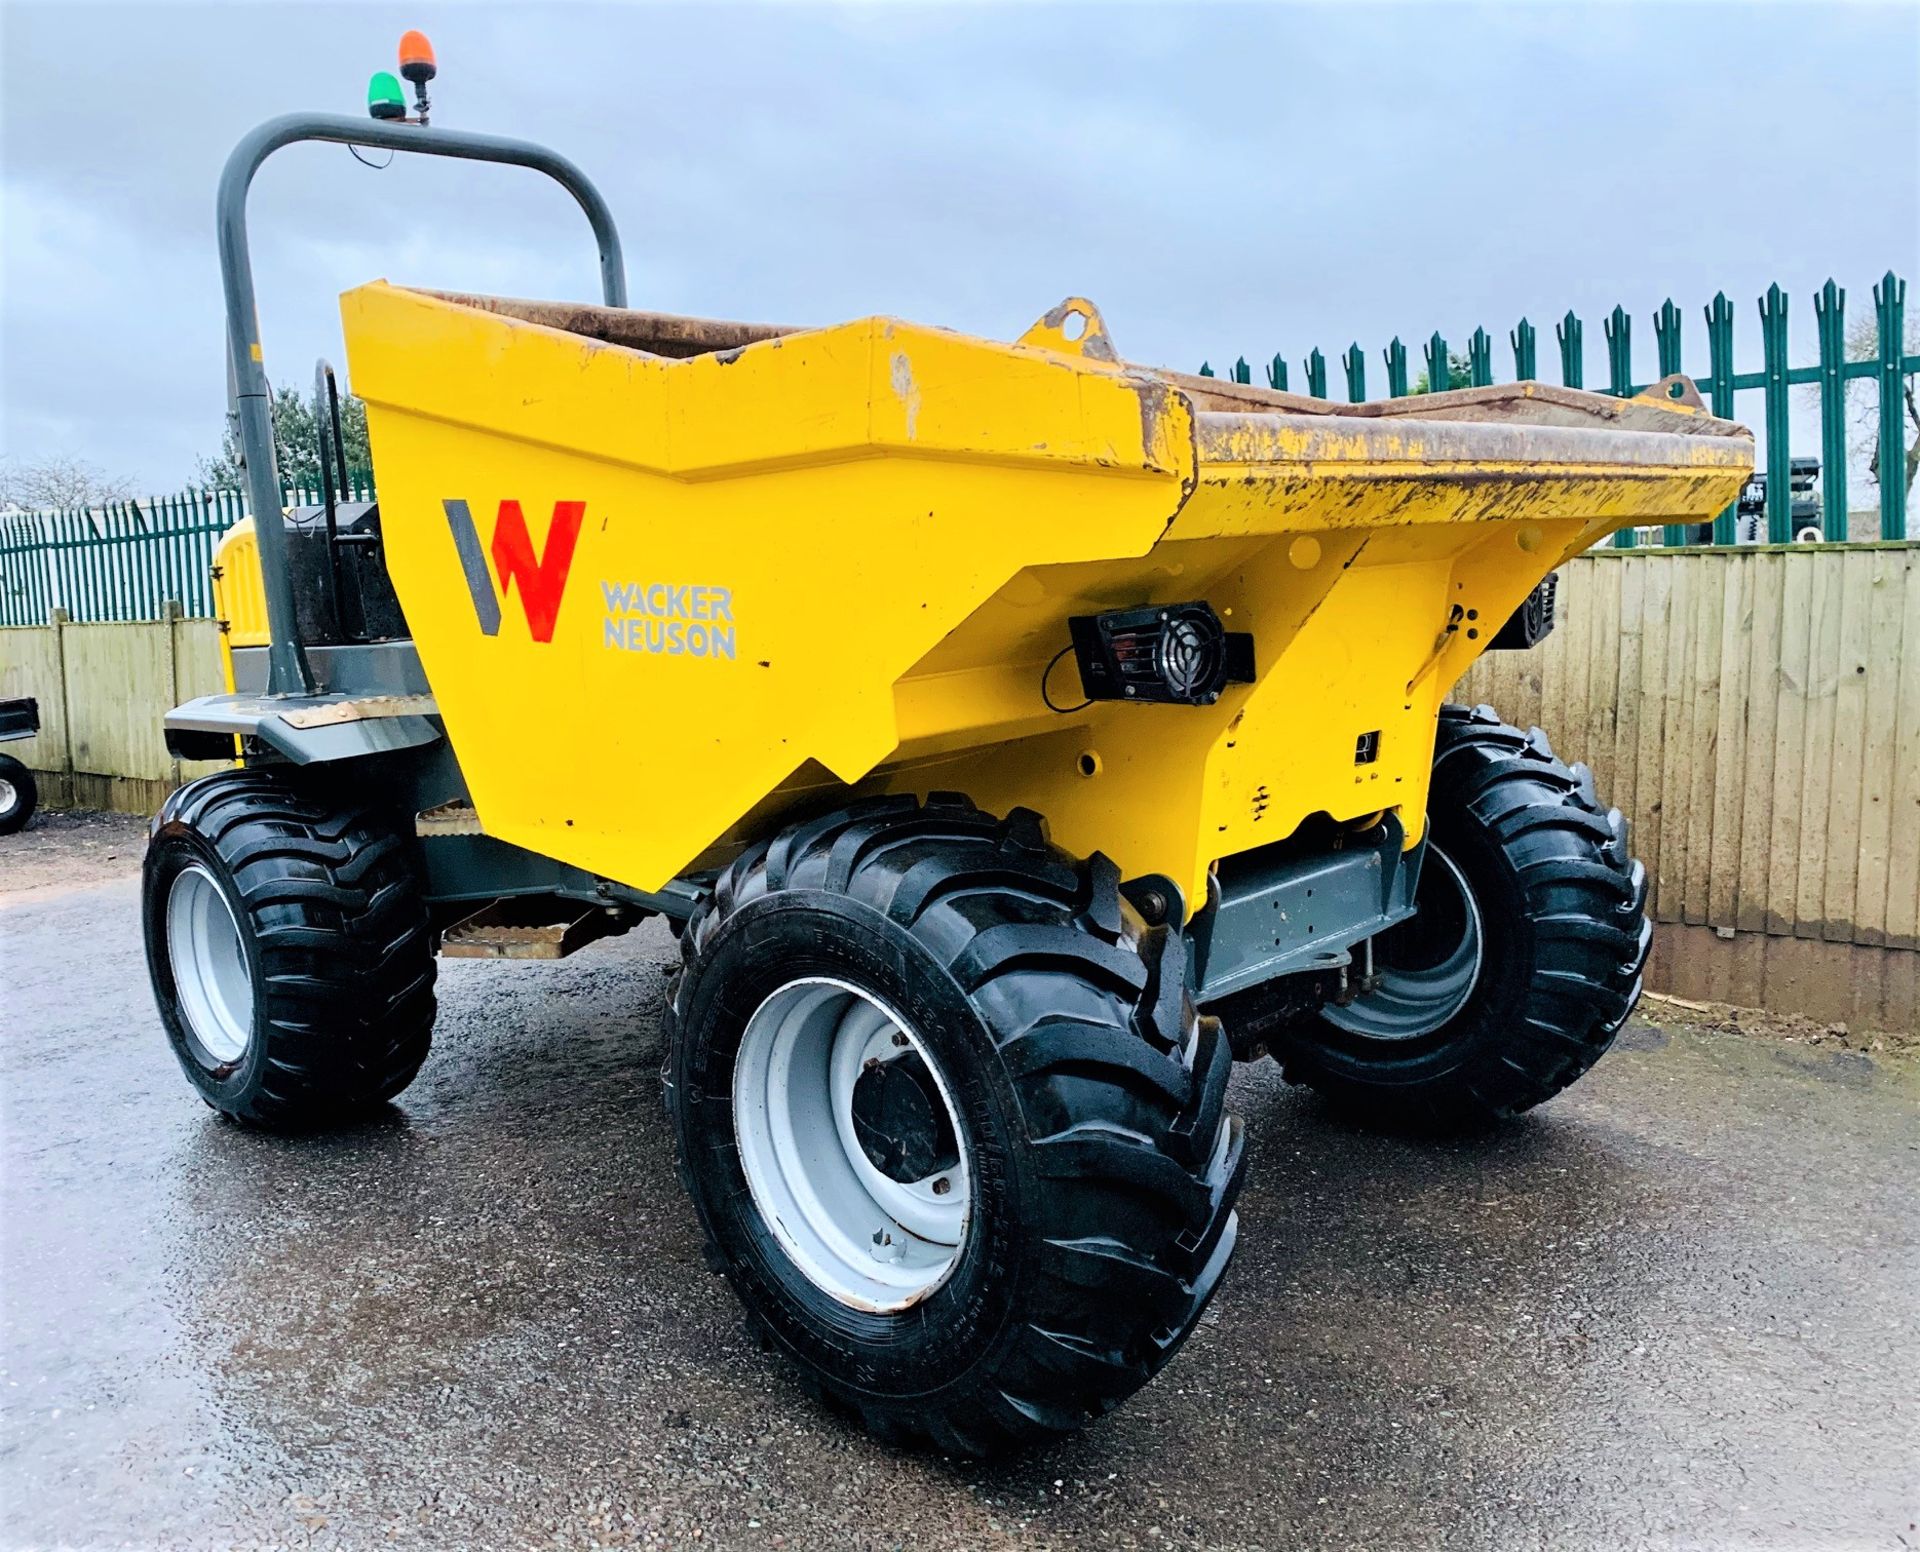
126, 560
1889, 368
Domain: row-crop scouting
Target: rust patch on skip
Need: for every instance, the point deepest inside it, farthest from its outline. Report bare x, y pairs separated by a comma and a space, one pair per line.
361, 710
905, 389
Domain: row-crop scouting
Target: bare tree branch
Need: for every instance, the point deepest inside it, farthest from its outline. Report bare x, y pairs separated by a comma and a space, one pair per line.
57, 483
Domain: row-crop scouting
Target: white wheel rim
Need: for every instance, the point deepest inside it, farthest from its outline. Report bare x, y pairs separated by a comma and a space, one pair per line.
7, 796
869, 1241
211, 980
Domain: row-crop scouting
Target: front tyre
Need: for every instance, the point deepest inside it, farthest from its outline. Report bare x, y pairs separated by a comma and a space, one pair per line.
952, 1127
289, 948
18, 795
1522, 961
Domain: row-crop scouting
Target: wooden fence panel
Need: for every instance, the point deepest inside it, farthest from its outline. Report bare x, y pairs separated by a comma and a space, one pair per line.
1757, 787
1756, 714
1819, 692
1704, 697
30, 666
1718, 893
1903, 809
1886, 584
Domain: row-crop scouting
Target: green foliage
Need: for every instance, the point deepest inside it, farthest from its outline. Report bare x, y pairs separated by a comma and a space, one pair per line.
296, 440
1459, 368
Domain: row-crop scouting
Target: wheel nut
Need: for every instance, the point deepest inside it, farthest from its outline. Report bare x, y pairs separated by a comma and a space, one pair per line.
899, 1037
942, 1186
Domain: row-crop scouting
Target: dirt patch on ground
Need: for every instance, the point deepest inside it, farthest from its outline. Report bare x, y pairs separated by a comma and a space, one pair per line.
1661, 1010
69, 848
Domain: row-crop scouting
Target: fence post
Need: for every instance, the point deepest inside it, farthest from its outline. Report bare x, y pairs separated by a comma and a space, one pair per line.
1276, 372
1317, 374
1573, 370
60, 619
1480, 357
1889, 304
1666, 337
1830, 307
1242, 373
1439, 374
1355, 362
1525, 361
1773, 339
170, 614
1618, 328
1666, 340
1396, 355
1726, 526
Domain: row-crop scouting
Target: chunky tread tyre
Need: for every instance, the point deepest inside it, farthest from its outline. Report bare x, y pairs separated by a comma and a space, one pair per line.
339, 946
1563, 907
19, 807
1105, 1161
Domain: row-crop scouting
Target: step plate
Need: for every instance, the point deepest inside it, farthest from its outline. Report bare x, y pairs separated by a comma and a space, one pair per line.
455, 818
493, 933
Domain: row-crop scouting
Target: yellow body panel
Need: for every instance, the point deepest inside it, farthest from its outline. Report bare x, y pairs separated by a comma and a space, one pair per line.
891, 524
239, 602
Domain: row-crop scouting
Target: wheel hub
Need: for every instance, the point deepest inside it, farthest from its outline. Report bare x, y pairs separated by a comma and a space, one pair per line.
1426, 968
849, 1140
901, 1120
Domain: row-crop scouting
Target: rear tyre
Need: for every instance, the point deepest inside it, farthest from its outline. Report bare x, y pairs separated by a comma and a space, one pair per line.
18, 795
289, 948
953, 1129
1524, 958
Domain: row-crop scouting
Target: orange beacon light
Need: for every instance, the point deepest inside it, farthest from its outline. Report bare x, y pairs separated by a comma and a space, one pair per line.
417, 66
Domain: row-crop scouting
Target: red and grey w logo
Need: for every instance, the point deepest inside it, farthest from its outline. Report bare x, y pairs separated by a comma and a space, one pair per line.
541, 581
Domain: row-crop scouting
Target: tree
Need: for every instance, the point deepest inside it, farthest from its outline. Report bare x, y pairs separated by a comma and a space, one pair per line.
58, 484
296, 440
1863, 398
1459, 370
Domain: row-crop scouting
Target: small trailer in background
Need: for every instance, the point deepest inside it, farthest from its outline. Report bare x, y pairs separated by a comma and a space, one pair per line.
18, 794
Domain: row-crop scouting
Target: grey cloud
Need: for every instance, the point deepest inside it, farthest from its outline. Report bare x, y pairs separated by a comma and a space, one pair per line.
1218, 179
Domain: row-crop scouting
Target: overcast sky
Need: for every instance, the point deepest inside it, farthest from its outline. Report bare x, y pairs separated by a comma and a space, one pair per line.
1220, 180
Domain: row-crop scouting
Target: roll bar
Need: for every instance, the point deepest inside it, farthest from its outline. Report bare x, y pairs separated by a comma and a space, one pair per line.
288, 672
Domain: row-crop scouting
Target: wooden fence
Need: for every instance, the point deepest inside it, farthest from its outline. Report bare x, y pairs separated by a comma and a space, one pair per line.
1756, 714
102, 690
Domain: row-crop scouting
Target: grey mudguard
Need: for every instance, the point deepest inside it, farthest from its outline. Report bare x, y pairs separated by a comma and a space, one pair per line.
308, 730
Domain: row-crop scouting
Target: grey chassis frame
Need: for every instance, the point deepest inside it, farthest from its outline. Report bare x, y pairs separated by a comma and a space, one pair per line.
370, 705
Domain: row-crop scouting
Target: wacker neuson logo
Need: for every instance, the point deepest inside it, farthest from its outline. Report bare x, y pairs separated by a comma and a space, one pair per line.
673, 619
540, 582
667, 618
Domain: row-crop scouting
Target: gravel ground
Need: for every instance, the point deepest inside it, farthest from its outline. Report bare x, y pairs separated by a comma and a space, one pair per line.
62, 848
1676, 1308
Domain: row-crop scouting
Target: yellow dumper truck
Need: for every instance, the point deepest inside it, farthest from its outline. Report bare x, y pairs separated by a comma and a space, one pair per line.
1013, 735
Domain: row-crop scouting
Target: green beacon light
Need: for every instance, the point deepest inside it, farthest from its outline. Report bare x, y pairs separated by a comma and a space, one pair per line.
385, 99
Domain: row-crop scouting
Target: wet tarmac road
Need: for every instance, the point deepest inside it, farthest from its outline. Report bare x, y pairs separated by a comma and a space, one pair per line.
1677, 1308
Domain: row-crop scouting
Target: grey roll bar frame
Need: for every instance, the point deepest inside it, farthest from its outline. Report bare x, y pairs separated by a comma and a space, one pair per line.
288, 672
